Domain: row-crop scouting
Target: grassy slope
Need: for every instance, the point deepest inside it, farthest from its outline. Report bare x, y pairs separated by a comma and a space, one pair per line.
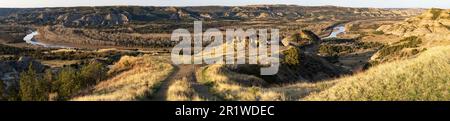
426, 77
137, 77
181, 90
227, 85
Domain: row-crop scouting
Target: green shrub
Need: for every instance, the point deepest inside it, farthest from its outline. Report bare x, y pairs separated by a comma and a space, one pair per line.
333, 50
32, 87
409, 42
378, 32
292, 56
436, 13
69, 83
367, 45
92, 74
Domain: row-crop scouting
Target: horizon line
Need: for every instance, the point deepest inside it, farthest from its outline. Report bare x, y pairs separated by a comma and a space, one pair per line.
249, 5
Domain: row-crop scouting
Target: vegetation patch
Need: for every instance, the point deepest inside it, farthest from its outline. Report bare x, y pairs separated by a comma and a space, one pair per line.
222, 84
291, 56
336, 46
436, 13
409, 42
138, 80
378, 32
68, 82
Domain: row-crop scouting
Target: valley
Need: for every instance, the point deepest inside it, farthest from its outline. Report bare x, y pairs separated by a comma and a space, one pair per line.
123, 53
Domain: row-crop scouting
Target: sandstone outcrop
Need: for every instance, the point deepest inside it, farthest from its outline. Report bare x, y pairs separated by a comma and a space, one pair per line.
432, 25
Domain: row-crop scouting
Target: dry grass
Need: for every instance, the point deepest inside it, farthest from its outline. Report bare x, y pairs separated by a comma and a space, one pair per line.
224, 84
137, 78
426, 77
181, 90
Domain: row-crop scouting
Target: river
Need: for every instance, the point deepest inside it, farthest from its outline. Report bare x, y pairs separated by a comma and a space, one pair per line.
337, 30
30, 40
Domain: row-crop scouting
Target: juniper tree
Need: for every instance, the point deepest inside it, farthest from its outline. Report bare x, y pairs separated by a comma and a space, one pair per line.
68, 82
32, 86
92, 73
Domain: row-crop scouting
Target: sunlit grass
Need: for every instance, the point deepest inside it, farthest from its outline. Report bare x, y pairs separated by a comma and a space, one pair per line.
225, 84
137, 78
181, 90
426, 77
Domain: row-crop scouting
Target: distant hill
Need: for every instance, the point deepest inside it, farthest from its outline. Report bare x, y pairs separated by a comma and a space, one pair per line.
433, 24
431, 28
120, 15
298, 58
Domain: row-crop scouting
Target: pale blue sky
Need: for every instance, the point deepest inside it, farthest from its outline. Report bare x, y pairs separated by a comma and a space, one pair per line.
347, 3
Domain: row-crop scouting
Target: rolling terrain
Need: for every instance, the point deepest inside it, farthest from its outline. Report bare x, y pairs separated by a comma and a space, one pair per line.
326, 53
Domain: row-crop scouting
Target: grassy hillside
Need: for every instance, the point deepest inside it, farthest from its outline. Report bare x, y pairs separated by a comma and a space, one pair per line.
181, 90
426, 77
230, 85
137, 77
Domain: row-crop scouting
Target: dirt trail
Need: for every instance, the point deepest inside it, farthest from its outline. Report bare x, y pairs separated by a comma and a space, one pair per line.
180, 72
202, 90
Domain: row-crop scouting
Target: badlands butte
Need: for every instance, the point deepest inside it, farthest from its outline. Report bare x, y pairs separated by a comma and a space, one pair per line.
123, 53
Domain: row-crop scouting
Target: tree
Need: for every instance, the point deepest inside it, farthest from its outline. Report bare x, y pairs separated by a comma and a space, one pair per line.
68, 82
51, 79
32, 87
92, 74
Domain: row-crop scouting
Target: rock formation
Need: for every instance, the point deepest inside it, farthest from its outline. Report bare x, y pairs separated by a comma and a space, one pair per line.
10, 70
433, 24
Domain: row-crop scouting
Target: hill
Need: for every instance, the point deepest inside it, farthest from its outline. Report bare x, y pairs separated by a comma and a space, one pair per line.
122, 15
150, 26
426, 77
229, 85
133, 78
433, 24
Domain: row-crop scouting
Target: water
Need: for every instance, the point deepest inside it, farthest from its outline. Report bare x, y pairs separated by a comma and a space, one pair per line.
29, 39
337, 30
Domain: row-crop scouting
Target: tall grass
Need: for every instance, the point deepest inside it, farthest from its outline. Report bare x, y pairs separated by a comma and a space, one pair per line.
137, 77
426, 77
225, 84
181, 90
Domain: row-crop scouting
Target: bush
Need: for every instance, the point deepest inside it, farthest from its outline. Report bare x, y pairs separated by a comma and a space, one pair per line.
68, 83
32, 87
409, 42
92, 74
291, 56
436, 13
378, 32
334, 50
367, 45
4, 49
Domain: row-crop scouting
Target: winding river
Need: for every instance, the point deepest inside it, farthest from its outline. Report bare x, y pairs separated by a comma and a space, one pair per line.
30, 40
337, 30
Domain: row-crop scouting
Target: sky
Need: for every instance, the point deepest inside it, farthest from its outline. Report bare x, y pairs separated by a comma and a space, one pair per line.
345, 3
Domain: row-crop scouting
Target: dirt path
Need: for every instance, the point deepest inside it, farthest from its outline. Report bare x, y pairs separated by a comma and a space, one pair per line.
202, 90
180, 72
